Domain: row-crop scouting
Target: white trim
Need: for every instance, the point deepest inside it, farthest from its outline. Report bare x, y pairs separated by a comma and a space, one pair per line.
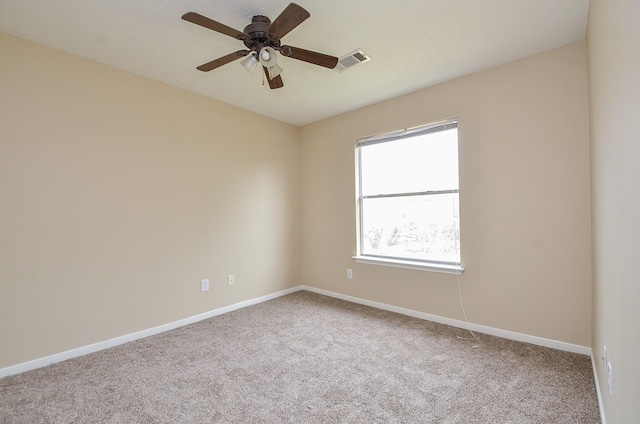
603, 420
421, 266
540, 341
84, 350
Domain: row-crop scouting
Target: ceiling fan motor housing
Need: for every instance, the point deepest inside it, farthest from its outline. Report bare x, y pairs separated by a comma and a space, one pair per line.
258, 35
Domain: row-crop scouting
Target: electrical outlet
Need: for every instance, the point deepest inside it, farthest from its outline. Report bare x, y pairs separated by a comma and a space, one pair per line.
231, 279
204, 284
610, 377
349, 273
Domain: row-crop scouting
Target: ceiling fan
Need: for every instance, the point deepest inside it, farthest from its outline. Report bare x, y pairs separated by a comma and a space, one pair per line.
262, 39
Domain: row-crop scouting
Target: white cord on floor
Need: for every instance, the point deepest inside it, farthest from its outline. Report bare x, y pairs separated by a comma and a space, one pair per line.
474, 336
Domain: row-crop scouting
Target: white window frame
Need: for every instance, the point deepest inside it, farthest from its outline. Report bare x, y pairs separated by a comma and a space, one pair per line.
400, 262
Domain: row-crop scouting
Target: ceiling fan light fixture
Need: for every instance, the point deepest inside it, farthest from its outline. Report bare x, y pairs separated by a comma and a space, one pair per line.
268, 57
250, 63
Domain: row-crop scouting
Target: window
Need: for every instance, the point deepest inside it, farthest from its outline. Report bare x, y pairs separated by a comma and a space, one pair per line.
408, 208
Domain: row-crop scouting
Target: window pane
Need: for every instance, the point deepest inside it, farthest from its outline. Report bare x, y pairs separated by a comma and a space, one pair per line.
426, 162
425, 227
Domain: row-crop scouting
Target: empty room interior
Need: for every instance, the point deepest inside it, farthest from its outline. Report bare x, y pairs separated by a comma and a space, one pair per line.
139, 194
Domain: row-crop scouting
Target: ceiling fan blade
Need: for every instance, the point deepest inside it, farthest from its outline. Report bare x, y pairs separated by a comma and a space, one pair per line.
203, 21
290, 18
273, 83
222, 60
309, 56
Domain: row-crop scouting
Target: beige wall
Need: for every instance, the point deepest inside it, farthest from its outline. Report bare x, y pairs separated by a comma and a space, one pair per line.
524, 193
119, 194
614, 90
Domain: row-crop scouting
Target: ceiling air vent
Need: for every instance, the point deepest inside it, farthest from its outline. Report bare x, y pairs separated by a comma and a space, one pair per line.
352, 59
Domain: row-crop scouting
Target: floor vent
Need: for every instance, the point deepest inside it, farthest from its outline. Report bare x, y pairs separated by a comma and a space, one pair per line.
354, 58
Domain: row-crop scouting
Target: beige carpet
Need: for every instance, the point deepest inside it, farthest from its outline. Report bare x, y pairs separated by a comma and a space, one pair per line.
306, 358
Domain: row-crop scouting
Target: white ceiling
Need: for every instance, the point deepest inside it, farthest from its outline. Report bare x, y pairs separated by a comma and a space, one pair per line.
413, 44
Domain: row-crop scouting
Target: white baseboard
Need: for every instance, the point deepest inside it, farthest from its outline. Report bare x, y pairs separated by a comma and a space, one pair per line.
84, 350
598, 392
540, 341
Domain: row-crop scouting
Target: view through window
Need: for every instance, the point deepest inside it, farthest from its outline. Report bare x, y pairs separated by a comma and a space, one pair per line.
408, 206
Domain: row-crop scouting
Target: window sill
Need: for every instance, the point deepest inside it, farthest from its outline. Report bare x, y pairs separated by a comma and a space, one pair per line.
422, 266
